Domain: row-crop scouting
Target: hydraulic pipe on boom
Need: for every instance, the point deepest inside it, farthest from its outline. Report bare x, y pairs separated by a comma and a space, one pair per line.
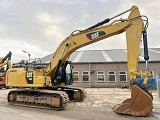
106, 20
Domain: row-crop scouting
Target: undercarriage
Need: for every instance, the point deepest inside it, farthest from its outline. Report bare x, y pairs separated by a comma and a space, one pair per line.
46, 99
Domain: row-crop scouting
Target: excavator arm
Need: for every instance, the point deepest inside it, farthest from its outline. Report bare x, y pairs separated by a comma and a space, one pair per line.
6, 61
140, 103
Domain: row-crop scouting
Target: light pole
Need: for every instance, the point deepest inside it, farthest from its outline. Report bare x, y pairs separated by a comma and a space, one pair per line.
28, 53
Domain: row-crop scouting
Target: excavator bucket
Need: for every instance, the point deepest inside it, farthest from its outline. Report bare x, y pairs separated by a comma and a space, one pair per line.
140, 103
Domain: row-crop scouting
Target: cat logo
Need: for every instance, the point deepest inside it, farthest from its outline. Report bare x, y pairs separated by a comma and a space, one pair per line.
95, 35
29, 77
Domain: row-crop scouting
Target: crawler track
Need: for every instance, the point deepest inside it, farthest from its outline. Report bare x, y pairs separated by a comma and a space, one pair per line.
75, 94
39, 98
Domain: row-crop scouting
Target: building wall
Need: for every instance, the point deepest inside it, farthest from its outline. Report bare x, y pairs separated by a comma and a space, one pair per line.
80, 67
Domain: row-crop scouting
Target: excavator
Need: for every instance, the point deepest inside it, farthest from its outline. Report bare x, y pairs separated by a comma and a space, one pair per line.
5, 64
47, 86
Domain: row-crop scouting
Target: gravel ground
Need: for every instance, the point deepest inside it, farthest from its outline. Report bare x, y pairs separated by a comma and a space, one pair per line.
97, 106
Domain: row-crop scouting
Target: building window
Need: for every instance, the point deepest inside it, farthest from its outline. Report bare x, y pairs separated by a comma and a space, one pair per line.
85, 76
100, 76
75, 76
111, 76
122, 76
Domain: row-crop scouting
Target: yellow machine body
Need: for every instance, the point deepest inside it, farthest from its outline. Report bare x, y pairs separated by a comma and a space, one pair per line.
33, 78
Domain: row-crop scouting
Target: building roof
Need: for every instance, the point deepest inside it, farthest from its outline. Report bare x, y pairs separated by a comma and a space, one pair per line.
114, 55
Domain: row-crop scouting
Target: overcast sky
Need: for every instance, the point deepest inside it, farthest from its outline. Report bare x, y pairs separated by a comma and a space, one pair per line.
39, 26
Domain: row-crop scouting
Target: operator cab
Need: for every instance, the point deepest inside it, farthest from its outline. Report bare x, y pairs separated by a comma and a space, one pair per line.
63, 73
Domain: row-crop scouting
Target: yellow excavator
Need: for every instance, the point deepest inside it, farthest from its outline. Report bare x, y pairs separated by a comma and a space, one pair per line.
47, 87
5, 64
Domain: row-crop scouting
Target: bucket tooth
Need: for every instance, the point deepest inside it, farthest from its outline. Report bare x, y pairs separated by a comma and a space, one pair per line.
140, 103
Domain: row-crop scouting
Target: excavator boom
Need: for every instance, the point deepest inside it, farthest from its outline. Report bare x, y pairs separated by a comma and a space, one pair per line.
81, 39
